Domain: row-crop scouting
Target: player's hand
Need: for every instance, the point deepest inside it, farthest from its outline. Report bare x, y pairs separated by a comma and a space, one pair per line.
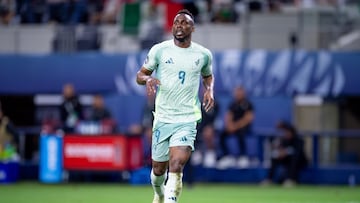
151, 85
208, 102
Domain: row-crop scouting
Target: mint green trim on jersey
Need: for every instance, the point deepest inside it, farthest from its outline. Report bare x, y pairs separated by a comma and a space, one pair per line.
208, 61
197, 108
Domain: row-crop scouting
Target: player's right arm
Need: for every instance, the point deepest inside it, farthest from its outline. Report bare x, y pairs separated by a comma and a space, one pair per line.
143, 77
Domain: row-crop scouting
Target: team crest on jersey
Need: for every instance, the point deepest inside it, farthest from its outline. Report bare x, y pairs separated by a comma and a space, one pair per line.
197, 62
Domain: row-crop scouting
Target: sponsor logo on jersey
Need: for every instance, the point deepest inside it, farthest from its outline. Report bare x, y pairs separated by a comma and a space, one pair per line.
183, 139
169, 61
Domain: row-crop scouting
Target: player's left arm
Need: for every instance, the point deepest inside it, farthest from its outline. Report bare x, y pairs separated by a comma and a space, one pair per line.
208, 101
208, 81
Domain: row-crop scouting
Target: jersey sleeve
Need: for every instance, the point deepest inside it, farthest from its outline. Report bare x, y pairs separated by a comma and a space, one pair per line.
151, 61
207, 68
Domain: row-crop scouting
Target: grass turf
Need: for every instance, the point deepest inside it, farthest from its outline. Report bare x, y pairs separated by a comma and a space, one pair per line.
26, 192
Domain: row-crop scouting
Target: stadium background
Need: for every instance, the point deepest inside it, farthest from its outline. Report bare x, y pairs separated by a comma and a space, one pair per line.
296, 59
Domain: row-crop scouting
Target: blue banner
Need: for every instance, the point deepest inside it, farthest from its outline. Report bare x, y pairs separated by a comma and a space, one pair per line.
9, 171
263, 73
51, 164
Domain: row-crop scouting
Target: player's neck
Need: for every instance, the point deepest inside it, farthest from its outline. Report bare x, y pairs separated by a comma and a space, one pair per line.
183, 44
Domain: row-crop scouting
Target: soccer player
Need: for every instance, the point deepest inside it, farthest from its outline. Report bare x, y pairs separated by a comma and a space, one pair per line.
178, 63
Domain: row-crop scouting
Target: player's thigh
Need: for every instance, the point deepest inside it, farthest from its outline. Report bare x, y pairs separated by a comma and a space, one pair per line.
180, 154
181, 145
184, 134
160, 142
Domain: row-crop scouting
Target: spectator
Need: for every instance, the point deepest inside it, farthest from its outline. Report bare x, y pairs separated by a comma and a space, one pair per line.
274, 5
147, 121
94, 9
88, 38
151, 29
206, 136
8, 138
77, 11
238, 121
147, 140
99, 112
288, 153
57, 10
149, 108
32, 11
50, 124
7, 11
70, 109
224, 12
192, 7
208, 118
111, 11
205, 143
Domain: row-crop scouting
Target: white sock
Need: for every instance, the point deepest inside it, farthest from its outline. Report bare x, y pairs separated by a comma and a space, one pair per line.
173, 188
157, 183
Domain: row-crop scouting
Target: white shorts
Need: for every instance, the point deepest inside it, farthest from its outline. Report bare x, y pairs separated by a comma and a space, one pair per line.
167, 135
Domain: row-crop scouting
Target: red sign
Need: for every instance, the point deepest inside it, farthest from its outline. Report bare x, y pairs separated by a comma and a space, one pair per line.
95, 152
135, 153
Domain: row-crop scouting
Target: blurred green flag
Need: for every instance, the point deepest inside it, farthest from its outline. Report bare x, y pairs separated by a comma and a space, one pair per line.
131, 18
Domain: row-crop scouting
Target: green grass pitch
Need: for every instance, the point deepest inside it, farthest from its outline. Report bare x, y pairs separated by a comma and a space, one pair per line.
32, 192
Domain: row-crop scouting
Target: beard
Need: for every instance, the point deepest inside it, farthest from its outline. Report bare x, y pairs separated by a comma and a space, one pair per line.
182, 39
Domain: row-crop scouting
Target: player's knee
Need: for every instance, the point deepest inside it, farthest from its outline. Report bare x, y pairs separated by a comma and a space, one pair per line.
177, 165
159, 170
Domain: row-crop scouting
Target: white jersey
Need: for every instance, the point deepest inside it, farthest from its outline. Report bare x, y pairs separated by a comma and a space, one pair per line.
179, 71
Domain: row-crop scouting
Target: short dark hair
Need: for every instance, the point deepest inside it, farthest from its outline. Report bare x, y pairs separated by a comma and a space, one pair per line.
187, 12
284, 125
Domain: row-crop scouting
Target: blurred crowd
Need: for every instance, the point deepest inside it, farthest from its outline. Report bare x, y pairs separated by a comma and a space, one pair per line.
8, 139
58, 11
109, 11
75, 118
149, 21
218, 146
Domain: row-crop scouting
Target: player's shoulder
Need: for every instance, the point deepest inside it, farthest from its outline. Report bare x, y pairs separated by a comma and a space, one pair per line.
162, 45
157, 49
201, 48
